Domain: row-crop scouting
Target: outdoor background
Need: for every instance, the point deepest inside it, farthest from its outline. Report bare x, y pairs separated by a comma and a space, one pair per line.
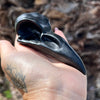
78, 19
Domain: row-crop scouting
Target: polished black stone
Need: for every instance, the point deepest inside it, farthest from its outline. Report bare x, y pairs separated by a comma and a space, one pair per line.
34, 30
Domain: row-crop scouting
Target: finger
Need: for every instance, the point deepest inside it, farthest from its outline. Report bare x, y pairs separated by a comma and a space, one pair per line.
24, 48
60, 33
5, 48
16, 44
20, 47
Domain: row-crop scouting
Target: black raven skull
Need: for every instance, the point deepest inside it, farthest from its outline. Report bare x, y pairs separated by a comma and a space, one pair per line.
34, 30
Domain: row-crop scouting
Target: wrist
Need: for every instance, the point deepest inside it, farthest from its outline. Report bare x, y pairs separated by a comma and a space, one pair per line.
58, 89
44, 94
49, 94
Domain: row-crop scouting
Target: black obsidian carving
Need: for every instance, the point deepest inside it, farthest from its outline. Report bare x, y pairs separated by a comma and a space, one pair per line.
34, 30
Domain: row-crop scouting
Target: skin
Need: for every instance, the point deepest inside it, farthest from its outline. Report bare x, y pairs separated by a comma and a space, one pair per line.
39, 77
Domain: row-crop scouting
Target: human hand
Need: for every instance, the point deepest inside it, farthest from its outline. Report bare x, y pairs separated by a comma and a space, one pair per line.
40, 77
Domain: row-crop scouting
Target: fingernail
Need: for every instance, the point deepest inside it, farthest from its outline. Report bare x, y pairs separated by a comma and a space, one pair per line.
56, 29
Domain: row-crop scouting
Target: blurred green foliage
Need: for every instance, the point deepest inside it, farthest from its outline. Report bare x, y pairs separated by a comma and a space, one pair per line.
7, 94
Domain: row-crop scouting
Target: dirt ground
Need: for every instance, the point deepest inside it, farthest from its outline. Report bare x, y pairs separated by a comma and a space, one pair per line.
78, 19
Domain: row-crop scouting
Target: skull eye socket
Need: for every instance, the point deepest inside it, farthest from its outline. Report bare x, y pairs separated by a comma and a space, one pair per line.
29, 30
51, 41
